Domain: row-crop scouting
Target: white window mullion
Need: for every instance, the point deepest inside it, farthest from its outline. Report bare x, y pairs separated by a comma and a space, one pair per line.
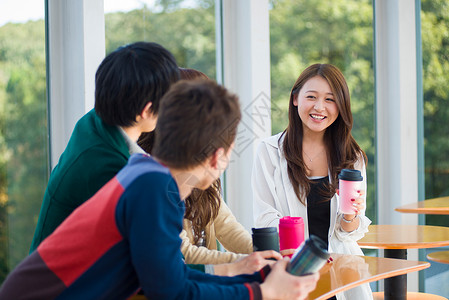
76, 46
246, 67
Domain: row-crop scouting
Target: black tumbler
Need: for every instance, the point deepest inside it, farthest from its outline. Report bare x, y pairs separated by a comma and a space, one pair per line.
310, 258
266, 238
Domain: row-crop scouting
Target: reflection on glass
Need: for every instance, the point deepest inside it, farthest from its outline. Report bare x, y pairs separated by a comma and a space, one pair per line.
435, 76
337, 32
348, 269
186, 28
23, 129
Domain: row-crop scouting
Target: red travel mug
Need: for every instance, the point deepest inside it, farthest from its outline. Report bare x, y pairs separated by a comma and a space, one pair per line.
291, 232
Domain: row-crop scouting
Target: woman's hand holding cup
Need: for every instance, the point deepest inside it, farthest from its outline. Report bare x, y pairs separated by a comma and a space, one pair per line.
351, 198
359, 205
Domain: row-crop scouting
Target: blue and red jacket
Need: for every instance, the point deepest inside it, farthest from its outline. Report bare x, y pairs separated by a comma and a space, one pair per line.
124, 238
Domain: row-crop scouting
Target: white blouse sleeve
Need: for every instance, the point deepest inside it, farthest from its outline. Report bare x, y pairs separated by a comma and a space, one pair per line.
264, 189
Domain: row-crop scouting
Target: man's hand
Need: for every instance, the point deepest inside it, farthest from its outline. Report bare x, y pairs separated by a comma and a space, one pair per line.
249, 264
281, 285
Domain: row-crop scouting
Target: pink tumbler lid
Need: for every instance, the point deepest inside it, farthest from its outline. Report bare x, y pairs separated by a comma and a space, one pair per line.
291, 220
291, 232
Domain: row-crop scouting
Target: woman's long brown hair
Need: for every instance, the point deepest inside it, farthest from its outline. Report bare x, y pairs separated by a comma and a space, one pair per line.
342, 150
201, 206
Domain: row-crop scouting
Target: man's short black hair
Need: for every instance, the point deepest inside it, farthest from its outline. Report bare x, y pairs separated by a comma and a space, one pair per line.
129, 78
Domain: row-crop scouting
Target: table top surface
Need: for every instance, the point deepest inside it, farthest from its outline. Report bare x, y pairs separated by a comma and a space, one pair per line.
348, 271
436, 206
439, 256
405, 237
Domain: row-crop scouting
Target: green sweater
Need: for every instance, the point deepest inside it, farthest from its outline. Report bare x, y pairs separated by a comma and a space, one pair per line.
95, 153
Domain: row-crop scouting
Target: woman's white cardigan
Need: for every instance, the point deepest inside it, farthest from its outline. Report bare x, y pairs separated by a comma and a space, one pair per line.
275, 198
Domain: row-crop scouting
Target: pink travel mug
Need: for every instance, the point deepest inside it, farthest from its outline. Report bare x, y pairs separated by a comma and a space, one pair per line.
291, 232
349, 185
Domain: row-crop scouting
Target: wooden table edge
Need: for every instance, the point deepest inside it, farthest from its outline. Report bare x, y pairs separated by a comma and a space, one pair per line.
427, 211
422, 266
430, 257
440, 261
404, 246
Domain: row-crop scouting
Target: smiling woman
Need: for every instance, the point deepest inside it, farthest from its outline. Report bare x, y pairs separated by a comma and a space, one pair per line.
295, 173
338, 32
316, 106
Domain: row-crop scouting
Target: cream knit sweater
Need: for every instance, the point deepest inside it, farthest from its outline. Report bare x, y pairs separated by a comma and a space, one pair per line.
225, 228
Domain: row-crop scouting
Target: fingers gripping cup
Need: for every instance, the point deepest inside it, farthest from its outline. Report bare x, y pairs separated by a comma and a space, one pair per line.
291, 232
350, 183
266, 238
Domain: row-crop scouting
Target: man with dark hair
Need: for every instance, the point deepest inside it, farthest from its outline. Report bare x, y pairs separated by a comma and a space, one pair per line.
127, 235
128, 86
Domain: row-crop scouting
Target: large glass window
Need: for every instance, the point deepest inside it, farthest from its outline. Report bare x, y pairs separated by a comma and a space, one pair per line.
435, 38
340, 32
186, 28
435, 53
23, 127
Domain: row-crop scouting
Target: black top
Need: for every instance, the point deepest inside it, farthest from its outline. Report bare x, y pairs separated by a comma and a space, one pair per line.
319, 209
